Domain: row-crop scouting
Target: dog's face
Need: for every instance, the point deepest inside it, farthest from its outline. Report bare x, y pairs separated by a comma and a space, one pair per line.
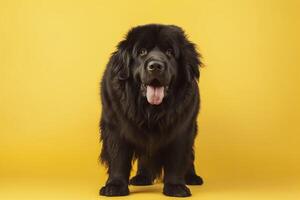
155, 66
156, 57
155, 70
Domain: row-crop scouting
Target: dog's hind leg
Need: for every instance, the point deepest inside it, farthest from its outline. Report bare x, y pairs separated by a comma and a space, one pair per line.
144, 175
191, 178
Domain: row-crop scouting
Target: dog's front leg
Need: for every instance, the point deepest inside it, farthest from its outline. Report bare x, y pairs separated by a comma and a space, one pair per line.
118, 156
175, 166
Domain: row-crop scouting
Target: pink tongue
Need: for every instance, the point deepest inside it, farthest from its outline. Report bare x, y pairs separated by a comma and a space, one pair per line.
155, 95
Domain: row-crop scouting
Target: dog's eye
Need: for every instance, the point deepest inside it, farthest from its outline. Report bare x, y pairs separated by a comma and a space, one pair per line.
143, 52
169, 52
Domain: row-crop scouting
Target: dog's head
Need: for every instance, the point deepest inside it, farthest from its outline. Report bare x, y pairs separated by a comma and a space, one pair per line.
157, 58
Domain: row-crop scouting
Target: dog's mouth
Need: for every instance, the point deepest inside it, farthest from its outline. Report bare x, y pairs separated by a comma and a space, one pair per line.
154, 92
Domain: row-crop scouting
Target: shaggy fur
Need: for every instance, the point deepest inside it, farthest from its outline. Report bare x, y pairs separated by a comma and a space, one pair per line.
160, 137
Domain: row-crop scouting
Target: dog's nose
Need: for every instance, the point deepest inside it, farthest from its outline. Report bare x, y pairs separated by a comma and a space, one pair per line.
155, 65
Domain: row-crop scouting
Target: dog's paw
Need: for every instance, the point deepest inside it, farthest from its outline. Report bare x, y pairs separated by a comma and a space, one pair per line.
114, 190
193, 180
140, 180
176, 190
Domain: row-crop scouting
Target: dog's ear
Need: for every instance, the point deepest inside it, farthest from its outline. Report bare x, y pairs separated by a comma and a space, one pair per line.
189, 56
191, 60
120, 61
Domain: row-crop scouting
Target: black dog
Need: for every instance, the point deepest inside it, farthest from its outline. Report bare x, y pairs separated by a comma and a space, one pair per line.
150, 102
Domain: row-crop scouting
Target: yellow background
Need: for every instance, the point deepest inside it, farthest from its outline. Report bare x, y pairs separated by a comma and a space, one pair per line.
52, 54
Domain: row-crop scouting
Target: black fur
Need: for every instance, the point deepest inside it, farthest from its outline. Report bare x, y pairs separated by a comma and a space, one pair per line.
160, 137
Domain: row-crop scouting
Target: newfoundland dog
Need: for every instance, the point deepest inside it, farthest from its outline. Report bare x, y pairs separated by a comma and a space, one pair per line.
150, 101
